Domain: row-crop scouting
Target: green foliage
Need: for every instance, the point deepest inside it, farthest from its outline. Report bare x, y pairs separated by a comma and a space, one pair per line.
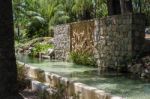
101, 9
43, 47
29, 20
37, 27
82, 8
82, 58
53, 12
38, 48
142, 6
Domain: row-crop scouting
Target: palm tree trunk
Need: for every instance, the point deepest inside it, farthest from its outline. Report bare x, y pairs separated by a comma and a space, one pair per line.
126, 6
110, 7
119, 6
8, 71
140, 5
122, 5
113, 7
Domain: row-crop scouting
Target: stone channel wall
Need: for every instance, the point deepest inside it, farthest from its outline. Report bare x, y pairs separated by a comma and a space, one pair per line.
117, 39
138, 33
82, 36
112, 39
62, 41
46, 84
76, 37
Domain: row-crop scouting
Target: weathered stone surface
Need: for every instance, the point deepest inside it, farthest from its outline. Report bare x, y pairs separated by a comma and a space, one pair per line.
55, 80
100, 94
32, 72
48, 77
88, 92
37, 74
111, 39
50, 93
38, 86
82, 36
64, 81
62, 41
78, 87
117, 38
73, 90
116, 97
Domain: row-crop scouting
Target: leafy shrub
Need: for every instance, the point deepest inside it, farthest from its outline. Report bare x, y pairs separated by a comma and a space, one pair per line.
38, 48
82, 58
38, 27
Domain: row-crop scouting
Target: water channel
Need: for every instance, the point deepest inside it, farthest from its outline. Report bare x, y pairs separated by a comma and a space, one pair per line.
121, 85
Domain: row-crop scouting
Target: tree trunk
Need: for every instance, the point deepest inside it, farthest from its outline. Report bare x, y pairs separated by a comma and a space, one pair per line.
110, 7
122, 5
8, 71
140, 5
126, 6
86, 15
113, 7
129, 6
119, 6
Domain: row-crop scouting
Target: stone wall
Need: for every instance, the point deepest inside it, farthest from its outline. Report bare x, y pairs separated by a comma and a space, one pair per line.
113, 39
44, 83
138, 33
82, 36
62, 41
76, 37
117, 38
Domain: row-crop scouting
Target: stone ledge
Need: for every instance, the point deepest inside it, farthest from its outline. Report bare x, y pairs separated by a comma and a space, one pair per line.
71, 88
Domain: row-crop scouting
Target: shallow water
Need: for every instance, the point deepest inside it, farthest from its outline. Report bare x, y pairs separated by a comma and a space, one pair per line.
63, 68
121, 85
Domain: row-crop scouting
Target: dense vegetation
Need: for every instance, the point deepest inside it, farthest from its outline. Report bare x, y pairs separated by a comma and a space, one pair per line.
36, 18
82, 58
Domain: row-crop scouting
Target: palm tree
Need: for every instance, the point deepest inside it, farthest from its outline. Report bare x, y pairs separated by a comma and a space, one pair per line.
8, 71
126, 6
83, 9
119, 6
100, 8
113, 7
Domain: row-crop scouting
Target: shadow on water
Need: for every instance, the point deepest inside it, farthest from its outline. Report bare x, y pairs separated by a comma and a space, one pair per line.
117, 84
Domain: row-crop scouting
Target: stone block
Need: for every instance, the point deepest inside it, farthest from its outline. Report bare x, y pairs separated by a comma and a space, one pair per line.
38, 86
50, 93
55, 80
116, 97
37, 74
88, 92
32, 72
40, 75
48, 77
71, 88
64, 81
100, 94
62, 41
78, 87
